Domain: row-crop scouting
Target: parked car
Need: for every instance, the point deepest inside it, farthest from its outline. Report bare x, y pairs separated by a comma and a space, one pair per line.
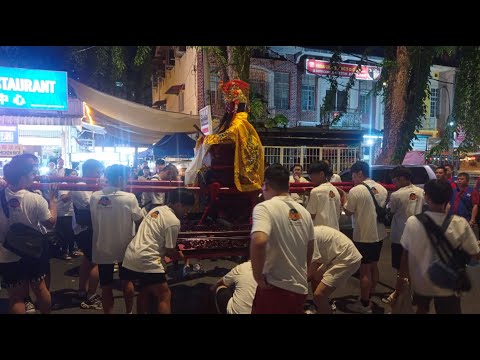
381, 173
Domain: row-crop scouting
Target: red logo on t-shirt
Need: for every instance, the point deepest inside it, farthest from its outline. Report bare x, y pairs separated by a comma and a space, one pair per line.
413, 196
331, 194
294, 215
375, 191
155, 214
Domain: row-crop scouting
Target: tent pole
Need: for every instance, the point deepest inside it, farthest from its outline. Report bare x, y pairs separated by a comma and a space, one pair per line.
135, 157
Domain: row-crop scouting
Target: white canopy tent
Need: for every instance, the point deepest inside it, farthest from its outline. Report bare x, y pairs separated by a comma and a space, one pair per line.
131, 120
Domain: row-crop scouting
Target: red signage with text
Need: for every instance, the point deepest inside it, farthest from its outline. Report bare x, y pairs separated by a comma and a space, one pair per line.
322, 67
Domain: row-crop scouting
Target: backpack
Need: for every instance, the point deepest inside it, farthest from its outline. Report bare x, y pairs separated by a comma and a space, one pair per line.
21, 239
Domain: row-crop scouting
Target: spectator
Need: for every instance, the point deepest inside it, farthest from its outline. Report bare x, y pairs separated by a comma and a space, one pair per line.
280, 269
419, 253
464, 201
334, 177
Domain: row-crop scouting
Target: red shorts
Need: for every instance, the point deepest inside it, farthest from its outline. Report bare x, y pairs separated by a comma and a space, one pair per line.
278, 301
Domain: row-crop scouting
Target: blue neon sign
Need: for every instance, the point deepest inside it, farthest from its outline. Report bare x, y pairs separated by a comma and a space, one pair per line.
33, 89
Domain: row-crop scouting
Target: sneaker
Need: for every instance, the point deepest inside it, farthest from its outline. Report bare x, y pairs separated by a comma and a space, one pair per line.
187, 270
76, 254
357, 307
66, 257
94, 302
334, 306
309, 311
389, 299
115, 268
30, 308
197, 268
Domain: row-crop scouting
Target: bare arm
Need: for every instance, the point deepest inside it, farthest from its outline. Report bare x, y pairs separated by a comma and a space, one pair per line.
258, 251
403, 274
52, 206
473, 220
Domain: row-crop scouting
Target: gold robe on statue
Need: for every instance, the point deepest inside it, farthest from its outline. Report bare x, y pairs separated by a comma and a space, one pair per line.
249, 160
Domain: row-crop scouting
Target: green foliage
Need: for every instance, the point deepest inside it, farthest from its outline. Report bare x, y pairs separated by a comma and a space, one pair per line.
279, 120
123, 71
466, 110
332, 77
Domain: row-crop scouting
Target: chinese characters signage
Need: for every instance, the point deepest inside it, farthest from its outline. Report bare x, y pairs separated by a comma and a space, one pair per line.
206, 120
322, 67
8, 134
33, 89
10, 150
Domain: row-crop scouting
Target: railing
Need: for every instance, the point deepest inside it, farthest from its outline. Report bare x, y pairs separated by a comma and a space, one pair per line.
348, 120
340, 158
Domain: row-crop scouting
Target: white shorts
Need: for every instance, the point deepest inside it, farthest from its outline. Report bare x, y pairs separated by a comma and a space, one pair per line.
337, 275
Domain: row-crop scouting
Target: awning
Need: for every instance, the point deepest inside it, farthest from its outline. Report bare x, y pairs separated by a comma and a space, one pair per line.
175, 89
133, 114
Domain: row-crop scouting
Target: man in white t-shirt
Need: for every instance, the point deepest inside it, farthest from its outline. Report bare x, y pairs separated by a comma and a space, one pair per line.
64, 224
155, 239
281, 246
324, 200
334, 178
335, 258
19, 205
82, 228
154, 199
235, 291
113, 215
405, 202
368, 233
419, 253
60, 169
297, 177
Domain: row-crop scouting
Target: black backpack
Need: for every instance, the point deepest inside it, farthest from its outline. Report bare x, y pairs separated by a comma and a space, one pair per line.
21, 239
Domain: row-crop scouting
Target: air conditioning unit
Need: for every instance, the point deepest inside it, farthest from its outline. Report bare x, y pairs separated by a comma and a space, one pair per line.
180, 51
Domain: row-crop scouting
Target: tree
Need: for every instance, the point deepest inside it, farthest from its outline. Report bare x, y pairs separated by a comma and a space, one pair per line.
406, 77
123, 71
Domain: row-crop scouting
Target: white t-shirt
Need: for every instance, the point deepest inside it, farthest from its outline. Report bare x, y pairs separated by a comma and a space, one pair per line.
289, 231
157, 233
421, 253
24, 207
113, 213
301, 199
335, 178
359, 201
153, 197
81, 200
324, 203
404, 202
241, 277
64, 208
60, 172
333, 247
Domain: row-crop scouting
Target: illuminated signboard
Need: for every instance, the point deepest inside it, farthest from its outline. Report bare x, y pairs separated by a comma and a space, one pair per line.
9, 134
33, 89
322, 67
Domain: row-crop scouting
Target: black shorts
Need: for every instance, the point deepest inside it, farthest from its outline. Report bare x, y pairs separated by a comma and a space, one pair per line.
370, 251
85, 241
105, 273
443, 304
397, 251
24, 270
140, 279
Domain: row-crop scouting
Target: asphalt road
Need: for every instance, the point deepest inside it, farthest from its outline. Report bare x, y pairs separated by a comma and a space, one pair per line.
192, 296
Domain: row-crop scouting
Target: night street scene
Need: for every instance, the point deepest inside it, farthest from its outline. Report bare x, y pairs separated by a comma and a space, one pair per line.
239, 180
